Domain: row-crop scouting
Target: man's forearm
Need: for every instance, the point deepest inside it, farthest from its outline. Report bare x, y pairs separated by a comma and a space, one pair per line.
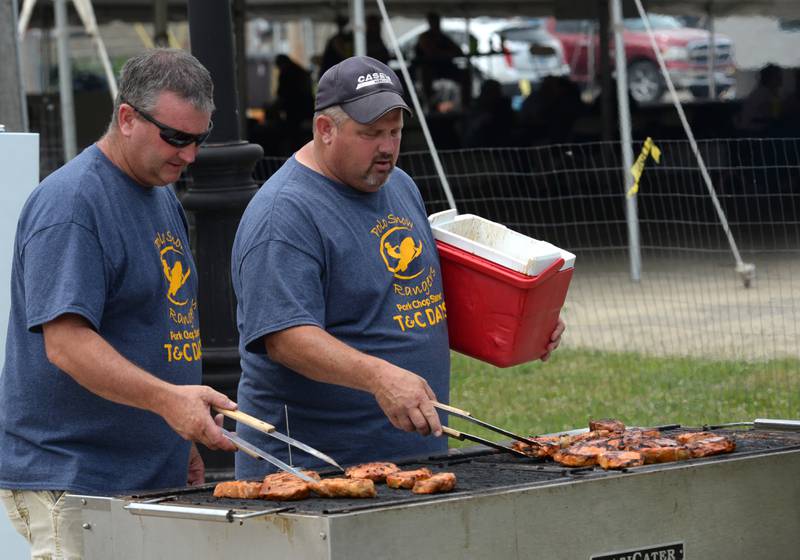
314, 353
404, 396
76, 349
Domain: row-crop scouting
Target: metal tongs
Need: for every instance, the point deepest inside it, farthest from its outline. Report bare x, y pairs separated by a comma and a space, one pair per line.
258, 453
463, 435
269, 429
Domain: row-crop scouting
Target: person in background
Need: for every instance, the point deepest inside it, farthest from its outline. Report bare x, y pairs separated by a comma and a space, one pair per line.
100, 391
548, 115
434, 59
492, 120
761, 110
338, 47
376, 48
791, 108
340, 308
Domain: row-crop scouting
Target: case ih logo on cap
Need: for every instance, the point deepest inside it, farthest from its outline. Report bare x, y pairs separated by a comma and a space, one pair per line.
373, 79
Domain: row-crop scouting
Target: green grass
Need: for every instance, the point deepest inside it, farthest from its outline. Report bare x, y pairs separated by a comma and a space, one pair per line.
576, 386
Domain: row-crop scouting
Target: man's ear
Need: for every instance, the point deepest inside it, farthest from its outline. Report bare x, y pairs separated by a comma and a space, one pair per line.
325, 129
126, 115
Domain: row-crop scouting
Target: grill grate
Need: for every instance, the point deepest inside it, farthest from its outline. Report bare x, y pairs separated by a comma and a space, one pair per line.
478, 470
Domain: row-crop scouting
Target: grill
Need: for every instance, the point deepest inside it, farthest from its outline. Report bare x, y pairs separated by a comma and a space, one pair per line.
503, 506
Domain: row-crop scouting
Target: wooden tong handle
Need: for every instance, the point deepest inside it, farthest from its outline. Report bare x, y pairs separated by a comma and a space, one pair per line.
246, 419
448, 408
247, 451
451, 432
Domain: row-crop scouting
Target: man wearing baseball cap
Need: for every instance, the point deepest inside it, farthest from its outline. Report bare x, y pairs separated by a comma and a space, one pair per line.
341, 314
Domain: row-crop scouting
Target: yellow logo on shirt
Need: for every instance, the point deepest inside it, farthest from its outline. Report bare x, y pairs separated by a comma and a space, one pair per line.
184, 344
172, 264
399, 248
420, 302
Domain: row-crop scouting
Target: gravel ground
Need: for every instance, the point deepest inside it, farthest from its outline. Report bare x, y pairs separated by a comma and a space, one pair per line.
686, 308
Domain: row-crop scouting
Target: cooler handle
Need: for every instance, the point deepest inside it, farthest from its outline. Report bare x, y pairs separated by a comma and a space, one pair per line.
549, 272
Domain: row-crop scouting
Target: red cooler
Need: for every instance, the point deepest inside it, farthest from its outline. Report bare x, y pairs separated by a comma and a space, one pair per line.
503, 290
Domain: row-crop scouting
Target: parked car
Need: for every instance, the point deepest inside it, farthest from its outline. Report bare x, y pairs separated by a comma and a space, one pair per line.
511, 51
685, 51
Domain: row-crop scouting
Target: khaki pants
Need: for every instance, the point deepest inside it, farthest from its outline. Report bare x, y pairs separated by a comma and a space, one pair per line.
52, 529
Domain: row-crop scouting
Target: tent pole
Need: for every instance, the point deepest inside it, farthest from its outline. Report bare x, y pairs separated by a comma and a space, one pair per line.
420, 114
359, 28
65, 80
604, 46
712, 54
626, 141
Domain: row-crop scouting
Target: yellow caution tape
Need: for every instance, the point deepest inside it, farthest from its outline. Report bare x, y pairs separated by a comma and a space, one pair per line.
649, 148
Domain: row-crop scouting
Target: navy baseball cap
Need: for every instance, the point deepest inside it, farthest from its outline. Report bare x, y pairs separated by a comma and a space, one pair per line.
365, 88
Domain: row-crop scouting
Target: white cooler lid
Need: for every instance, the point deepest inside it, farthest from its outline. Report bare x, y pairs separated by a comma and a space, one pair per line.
497, 243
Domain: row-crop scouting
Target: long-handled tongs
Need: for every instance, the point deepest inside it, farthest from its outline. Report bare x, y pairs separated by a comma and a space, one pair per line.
463, 435
269, 429
257, 453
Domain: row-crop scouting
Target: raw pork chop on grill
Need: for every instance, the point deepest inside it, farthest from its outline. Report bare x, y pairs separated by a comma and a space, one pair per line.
406, 479
345, 488
237, 489
438, 483
283, 486
375, 472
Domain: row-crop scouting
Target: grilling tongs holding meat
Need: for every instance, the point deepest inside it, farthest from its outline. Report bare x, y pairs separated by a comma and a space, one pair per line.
463, 435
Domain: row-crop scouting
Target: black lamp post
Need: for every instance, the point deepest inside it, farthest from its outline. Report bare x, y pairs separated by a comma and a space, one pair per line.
221, 185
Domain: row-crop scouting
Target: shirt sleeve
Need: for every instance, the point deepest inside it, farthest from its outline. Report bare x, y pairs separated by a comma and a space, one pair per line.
64, 272
281, 287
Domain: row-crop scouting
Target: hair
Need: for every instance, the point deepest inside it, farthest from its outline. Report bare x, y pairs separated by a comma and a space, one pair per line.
335, 113
145, 76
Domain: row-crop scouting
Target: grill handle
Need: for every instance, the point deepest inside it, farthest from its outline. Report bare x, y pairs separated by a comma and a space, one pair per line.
763, 424
190, 512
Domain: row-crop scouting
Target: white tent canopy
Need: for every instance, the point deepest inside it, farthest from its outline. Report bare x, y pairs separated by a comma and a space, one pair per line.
142, 10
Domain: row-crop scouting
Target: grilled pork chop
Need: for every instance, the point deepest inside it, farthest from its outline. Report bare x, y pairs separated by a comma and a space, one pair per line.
579, 455
606, 424
375, 472
238, 489
620, 459
547, 446
406, 479
345, 488
438, 483
694, 436
283, 486
711, 446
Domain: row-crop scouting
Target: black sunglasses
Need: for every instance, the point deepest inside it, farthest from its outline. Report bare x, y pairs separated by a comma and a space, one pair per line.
173, 136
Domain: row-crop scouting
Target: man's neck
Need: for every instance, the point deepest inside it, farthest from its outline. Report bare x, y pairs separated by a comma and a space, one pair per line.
109, 144
310, 156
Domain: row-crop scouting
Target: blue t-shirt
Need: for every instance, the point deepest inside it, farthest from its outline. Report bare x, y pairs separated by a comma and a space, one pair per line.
362, 266
91, 241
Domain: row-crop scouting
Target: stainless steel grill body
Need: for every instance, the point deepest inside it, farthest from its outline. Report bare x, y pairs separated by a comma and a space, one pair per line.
743, 505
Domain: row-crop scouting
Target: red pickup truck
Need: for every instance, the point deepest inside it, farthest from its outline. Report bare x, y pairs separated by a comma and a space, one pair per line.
685, 51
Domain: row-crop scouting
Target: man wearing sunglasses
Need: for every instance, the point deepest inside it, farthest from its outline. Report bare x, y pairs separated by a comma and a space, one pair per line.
100, 392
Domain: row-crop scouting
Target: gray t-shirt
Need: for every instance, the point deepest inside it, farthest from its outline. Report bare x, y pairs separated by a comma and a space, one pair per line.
90, 241
362, 266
